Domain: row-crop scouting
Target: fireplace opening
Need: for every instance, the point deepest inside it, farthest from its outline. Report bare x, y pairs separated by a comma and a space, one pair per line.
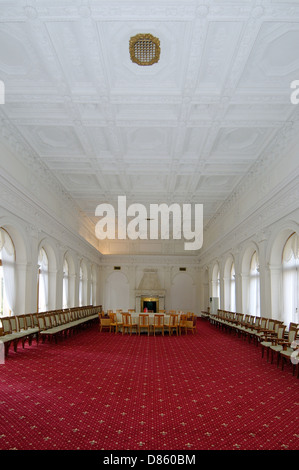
149, 303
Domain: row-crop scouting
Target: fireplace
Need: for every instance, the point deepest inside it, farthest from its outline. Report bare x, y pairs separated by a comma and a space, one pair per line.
151, 303
149, 293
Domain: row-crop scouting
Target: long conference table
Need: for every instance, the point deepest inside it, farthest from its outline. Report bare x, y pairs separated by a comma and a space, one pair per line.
135, 317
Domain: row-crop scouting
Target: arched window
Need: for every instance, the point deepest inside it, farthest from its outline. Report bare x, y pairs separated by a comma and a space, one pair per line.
254, 286
65, 285
229, 289
216, 282
290, 277
232, 289
7, 274
43, 281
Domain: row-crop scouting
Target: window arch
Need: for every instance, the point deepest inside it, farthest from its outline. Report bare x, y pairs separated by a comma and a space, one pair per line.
290, 278
7, 274
43, 281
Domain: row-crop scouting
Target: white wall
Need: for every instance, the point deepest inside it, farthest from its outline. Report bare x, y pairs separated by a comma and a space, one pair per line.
260, 216
36, 215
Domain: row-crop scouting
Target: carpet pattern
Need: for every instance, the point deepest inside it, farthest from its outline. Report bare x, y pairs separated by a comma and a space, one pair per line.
93, 390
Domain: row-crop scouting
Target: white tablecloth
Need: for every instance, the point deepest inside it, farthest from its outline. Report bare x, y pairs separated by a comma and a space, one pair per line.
135, 318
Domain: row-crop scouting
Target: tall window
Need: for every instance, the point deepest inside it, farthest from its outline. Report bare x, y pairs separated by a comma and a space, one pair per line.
43, 281
290, 276
216, 288
232, 289
254, 286
65, 286
7, 274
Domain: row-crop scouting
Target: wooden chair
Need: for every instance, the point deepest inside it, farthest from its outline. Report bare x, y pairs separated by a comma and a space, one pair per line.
259, 325
144, 322
173, 323
191, 322
288, 350
271, 339
158, 323
283, 344
114, 324
105, 323
127, 323
183, 323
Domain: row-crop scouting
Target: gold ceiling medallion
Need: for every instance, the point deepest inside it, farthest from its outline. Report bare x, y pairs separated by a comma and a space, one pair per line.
144, 49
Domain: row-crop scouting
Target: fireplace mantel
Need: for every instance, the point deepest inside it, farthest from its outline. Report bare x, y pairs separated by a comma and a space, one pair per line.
149, 287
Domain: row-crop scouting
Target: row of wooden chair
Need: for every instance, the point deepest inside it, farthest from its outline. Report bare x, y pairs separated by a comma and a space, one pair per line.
176, 324
44, 325
273, 335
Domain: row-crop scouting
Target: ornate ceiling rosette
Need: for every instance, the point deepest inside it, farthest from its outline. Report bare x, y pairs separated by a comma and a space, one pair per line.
144, 49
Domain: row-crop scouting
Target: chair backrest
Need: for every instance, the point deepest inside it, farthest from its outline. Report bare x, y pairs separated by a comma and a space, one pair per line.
29, 320
6, 325
292, 334
257, 321
143, 319
35, 319
240, 317
112, 316
173, 319
263, 323
158, 319
14, 325
276, 325
271, 324
127, 319
22, 324
280, 330
47, 319
41, 322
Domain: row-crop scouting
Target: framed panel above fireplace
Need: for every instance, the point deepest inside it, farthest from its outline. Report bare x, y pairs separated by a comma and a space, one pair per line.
151, 303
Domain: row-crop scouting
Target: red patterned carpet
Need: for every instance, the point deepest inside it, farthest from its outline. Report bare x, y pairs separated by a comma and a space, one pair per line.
98, 390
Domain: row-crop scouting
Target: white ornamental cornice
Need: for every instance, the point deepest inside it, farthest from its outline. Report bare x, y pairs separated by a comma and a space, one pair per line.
268, 157
39, 171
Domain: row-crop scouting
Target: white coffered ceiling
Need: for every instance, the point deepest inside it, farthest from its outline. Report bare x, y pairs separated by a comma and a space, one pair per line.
187, 129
